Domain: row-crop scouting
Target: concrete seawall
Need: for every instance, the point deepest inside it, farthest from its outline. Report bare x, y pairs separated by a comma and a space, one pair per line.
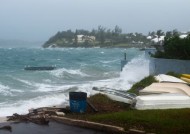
162, 66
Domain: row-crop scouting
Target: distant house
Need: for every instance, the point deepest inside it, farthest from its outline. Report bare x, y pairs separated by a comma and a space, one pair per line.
183, 36
158, 40
149, 37
80, 38
84, 38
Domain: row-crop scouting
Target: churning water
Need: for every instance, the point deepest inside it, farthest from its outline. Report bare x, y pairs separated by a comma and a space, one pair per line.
77, 69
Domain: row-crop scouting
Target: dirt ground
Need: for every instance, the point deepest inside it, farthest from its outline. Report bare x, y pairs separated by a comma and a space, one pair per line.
102, 104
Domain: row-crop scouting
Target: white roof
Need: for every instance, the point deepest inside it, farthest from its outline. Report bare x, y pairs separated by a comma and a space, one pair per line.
161, 38
183, 36
156, 39
80, 36
149, 37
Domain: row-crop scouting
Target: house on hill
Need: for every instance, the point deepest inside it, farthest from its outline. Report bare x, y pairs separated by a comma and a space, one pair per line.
85, 38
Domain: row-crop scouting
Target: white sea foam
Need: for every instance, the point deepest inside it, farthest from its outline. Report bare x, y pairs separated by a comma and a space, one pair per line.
5, 90
133, 72
60, 72
111, 61
24, 81
22, 107
41, 87
16, 90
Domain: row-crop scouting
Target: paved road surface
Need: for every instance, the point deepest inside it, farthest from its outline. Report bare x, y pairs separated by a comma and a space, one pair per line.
52, 128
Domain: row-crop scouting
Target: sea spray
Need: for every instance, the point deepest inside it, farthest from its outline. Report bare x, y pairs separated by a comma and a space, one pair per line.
23, 106
5, 90
134, 71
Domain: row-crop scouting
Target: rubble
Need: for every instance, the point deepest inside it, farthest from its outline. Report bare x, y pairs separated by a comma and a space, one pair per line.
39, 116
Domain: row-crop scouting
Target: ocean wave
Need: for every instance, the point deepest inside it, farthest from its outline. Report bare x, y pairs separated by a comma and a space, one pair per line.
61, 73
7, 91
111, 61
40, 87
22, 107
100, 70
134, 71
24, 81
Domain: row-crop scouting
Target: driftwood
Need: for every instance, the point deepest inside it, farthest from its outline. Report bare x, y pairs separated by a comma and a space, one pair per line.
49, 110
41, 119
8, 128
92, 106
38, 116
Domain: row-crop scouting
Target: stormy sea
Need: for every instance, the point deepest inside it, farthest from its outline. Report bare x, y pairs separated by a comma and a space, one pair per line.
76, 69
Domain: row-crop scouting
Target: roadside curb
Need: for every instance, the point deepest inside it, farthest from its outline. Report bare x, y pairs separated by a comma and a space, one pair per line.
91, 125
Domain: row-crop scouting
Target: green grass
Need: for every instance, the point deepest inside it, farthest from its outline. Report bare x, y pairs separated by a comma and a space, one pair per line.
174, 74
157, 121
168, 121
142, 84
122, 45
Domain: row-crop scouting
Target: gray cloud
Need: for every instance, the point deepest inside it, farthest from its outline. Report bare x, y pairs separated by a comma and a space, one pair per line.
40, 19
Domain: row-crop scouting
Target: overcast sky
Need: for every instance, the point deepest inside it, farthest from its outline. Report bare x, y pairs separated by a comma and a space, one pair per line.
37, 20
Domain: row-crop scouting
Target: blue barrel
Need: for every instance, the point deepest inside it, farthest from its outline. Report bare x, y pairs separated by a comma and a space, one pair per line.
77, 102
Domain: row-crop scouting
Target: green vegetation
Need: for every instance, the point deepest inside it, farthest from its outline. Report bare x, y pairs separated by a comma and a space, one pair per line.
174, 74
101, 37
172, 47
168, 121
157, 121
142, 84
175, 48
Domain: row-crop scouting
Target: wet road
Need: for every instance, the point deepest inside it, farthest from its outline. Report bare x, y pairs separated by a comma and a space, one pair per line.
52, 128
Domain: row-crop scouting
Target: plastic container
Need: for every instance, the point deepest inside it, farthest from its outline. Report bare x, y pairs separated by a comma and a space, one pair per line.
78, 102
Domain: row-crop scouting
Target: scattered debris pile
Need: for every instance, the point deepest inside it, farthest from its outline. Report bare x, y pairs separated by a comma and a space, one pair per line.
7, 128
40, 115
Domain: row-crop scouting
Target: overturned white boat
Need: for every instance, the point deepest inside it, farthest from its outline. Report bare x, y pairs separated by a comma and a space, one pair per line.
116, 95
168, 78
158, 88
162, 101
164, 96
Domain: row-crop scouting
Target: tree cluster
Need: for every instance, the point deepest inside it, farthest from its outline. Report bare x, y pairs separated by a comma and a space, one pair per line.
175, 47
104, 38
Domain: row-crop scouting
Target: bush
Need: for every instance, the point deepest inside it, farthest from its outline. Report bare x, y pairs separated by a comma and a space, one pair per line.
142, 84
175, 48
174, 74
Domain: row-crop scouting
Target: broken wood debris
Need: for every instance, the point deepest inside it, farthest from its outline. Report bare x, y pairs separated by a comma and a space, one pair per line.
92, 106
37, 119
8, 128
38, 116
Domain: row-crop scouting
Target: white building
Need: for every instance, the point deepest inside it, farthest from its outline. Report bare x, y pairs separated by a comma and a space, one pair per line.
83, 38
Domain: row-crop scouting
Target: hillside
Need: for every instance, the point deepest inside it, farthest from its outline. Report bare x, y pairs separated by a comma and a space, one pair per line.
101, 37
